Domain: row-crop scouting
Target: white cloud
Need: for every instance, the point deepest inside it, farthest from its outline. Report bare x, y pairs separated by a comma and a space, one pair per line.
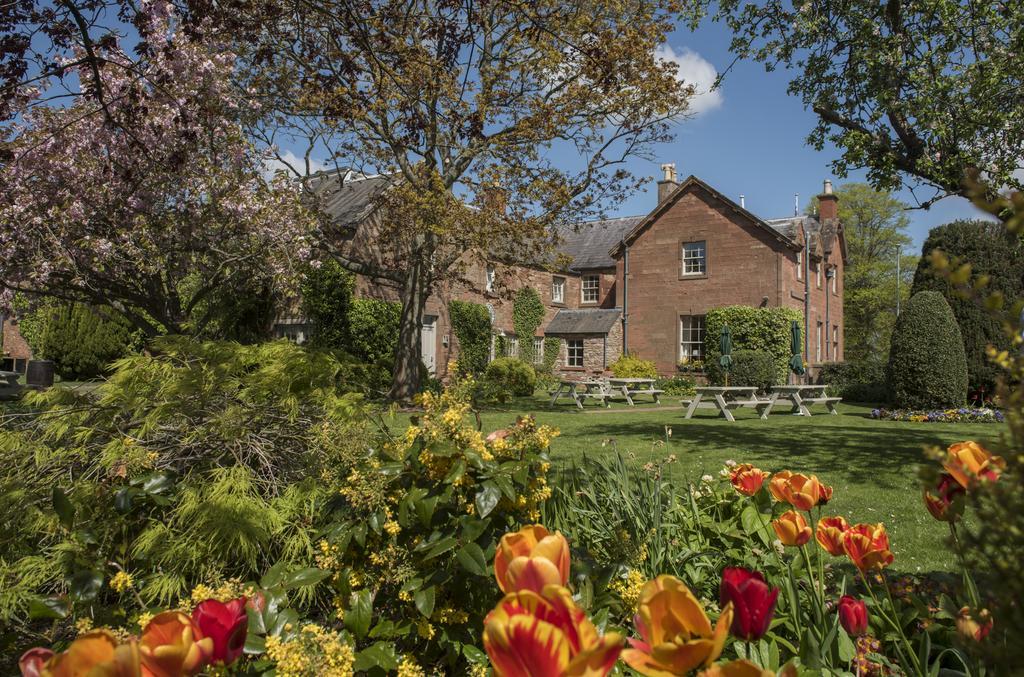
298, 164
697, 71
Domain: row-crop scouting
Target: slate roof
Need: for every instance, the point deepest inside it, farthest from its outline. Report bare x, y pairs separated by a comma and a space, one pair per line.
825, 234
590, 243
586, 321
352, 201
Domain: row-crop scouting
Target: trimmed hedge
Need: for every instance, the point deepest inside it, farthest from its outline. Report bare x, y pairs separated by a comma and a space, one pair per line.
764, 329
927, 364
471, 324
749, 368
631, 366
861, 381
513, 375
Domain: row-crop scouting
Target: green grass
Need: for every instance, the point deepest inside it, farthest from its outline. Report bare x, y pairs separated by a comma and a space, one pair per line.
873, 465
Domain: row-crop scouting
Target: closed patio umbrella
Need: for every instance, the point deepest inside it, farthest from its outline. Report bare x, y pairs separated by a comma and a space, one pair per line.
796, 362
725, 347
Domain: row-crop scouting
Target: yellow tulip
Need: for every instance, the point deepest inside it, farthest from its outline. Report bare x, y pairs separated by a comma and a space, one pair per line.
676, 635
792, 528
169, 649
969, 462
531, 559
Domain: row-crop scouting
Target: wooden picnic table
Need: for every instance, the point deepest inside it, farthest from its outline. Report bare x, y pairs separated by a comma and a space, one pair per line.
801, 397
593, 389
630, 387
724, 398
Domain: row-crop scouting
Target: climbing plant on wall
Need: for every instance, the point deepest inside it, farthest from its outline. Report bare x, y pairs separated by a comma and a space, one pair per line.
527, 314
472, 326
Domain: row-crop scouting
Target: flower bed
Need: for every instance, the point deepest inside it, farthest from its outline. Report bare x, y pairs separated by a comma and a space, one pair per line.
961, 415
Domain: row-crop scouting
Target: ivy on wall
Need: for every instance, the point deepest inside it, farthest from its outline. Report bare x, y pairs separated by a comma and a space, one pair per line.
764, 329
527, 314
471, 324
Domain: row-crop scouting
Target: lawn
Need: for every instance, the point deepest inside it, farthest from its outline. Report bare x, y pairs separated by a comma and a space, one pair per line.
873, 465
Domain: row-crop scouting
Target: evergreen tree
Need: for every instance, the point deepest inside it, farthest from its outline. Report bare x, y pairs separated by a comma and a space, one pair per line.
927, 365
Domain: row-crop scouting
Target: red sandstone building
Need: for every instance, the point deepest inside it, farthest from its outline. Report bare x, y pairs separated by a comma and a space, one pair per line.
641, 284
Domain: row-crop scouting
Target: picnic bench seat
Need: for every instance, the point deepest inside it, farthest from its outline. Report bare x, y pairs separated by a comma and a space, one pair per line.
829, 402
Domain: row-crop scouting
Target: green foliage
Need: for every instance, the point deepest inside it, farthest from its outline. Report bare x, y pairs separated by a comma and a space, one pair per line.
749, 368
551, 348
82, 341
373, 330
677, 386
327, 301
527, 314
994, 255
513, 375
764, 329
472, 326
927, 366
860, 381
631, 366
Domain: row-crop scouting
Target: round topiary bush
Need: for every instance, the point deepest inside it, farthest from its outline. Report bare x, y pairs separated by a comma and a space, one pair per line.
513, 375
631, 366
749, 368
927, 363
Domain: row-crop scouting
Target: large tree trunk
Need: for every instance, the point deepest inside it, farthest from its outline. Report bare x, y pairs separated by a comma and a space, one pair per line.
405, 382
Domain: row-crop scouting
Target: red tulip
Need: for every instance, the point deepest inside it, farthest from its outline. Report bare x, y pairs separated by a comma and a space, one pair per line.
33, 660
226, 624
753, 601
943, 504
853, 614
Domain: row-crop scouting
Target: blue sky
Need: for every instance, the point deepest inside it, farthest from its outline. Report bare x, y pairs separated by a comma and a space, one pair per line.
749, 139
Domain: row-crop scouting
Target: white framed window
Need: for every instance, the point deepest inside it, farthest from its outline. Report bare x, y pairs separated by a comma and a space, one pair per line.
694, 258
817, 274
835, 341
511, 346
558, 290
538, 350
800, 265
590, 289
574, 353
490, 274
817, 351
691, 338
835, 275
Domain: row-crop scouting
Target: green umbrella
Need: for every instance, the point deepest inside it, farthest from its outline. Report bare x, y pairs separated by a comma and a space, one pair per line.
725, 347
796, 362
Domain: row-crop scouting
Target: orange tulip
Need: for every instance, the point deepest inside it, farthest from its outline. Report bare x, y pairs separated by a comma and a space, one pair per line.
776, 484
531, 559
945, 503
791, 528
96, 653
830, 534
169, 648
747, 479
969, 462
800, 491
737, 668
867, 546
547, 635
971, 627
676, 635
826, 494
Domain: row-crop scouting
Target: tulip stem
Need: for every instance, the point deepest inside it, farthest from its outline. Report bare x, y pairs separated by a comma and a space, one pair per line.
972, 590
884, 614
819, 600
899, 628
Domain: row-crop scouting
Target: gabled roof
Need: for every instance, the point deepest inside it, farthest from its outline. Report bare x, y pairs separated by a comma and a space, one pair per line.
350, 200
689, 183
586, 321
588, 245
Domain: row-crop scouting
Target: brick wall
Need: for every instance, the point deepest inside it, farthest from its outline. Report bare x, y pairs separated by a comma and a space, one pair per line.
14, 344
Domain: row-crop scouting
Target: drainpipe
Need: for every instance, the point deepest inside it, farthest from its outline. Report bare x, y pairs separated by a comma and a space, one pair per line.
829, 274
807, 301
625, 298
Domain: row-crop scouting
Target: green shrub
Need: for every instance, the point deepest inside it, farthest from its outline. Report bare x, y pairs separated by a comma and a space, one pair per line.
631, 366
513, 375
927, 365
749, 368
765, 329
82, 341
861, 381
677, 386
994, 254
471, 324
373, 330
327, 301
527, 314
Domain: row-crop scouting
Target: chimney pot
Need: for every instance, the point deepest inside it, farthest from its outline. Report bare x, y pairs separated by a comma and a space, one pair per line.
743, 201
828, 203
668, 183
828, 187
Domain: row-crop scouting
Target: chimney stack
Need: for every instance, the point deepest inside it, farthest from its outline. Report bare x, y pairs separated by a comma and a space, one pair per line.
668, 183
827, 203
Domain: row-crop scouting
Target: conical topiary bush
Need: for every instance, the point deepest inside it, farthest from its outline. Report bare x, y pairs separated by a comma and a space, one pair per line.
927, 362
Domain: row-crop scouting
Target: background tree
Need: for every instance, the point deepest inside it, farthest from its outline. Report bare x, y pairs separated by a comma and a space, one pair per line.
917, 92
465, 102
874, 226
157, 214
83, 341
996, 256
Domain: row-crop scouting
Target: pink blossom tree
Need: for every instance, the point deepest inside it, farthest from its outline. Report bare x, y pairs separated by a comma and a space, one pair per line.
150, 199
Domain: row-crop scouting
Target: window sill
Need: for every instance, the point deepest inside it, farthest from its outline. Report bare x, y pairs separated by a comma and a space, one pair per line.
693, 276
573, 368
589, 303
